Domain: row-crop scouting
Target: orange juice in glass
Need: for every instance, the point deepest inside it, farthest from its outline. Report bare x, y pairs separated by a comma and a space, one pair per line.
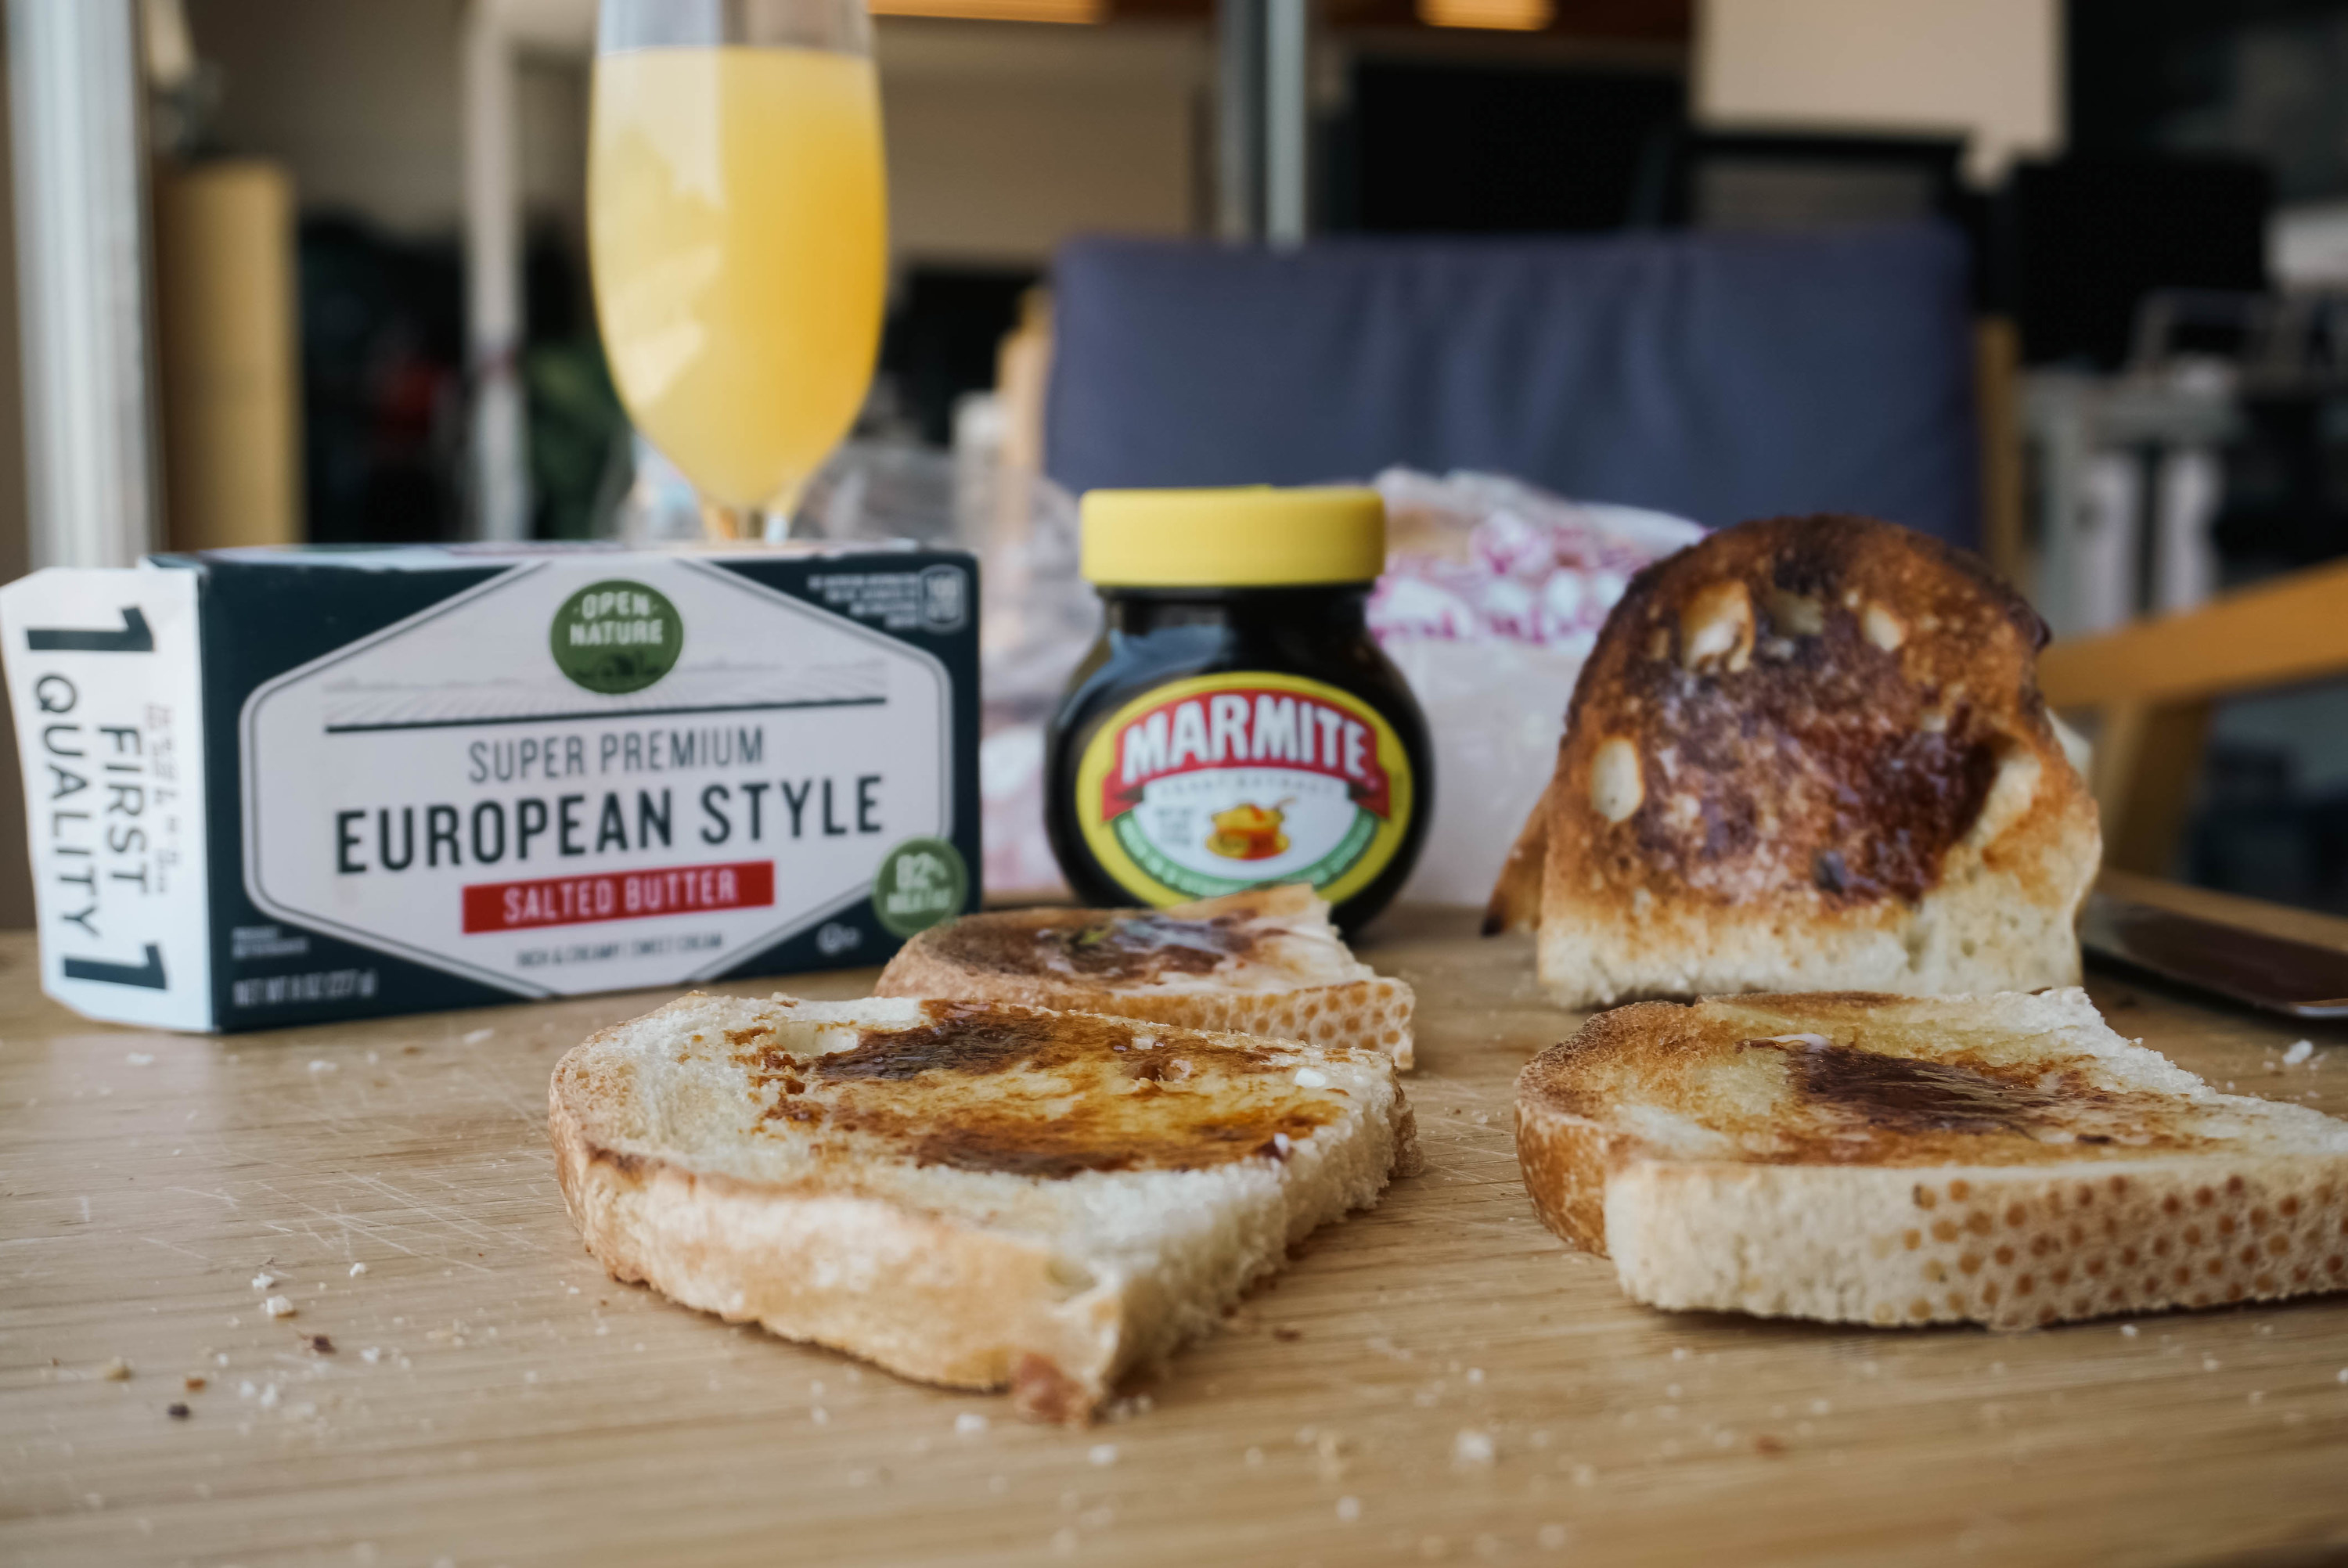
737, 234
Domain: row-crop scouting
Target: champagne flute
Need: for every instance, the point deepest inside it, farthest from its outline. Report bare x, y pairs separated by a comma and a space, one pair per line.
739, 238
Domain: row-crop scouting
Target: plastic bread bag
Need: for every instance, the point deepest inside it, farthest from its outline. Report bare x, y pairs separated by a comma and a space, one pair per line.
1492, 598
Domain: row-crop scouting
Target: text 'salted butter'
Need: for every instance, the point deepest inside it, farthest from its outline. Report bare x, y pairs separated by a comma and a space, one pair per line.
274, 786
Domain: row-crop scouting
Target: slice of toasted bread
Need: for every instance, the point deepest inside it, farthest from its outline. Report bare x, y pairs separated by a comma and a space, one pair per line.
1807, 754
1266, 961
973, 1194
2005, 1159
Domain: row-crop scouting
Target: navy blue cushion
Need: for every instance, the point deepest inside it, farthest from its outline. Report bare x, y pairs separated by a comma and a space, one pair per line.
1720, 376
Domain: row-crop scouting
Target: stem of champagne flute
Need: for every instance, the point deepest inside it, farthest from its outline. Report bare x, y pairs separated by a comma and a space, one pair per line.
720, 522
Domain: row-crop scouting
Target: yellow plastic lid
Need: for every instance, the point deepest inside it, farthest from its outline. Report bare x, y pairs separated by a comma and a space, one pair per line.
1254, 537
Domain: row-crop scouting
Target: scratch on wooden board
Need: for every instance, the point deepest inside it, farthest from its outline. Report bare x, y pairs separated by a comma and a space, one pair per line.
216, 1197
171, 1246
373, 1232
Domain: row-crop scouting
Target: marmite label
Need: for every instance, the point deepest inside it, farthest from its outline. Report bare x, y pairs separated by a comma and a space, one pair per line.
1221, 782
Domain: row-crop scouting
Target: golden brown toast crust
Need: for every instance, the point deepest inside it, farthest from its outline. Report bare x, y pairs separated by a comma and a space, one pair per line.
1794, 729
1965, 1174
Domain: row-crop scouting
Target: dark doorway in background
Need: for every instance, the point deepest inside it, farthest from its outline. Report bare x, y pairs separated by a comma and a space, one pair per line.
942, 338
1442, 148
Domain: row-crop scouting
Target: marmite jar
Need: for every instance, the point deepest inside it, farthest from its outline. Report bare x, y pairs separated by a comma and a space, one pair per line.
1236, 725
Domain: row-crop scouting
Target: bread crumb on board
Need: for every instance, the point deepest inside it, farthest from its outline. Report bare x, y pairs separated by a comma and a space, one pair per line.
1473, 1448
278, 1306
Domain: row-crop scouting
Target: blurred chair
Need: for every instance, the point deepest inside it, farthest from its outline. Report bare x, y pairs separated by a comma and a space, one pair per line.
1718, 375
2148, 689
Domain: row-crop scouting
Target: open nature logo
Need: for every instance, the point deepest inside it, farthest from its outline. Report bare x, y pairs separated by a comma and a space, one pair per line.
616, 637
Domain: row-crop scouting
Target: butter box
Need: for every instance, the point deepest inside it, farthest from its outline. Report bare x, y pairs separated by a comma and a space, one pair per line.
278, 786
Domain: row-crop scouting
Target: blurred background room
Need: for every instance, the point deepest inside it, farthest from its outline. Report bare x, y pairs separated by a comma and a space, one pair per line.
2065, 281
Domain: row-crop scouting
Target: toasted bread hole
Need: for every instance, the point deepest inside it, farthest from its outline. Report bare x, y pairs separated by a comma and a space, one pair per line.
2225, 1224
2015, 1214
1392, 1037
1957, 1301
1960, 1191
1883, 1313
2095, 1267
1920, 1308
2204, 1197
2169, 1205
2023, 1285
1616, 786
2250, 1255
1945, 1230
2287, 1207
1935, 1270
1978, 1222
2128, 1256
1971, 1263
1716, 625
2062, 1273
2192, 1236
2276, 1243
1926, 1198
2086, 1194
2335, 1264
1795, 614
2119, 1185
2005, 1255
1912, 1240
1991, 1292
2234, 1185
2077, 1236
2234, 1293
2045, 1315
2183, 1275
2258, 1218
2160, 1246
2040, 1246
2264, 1285
2299, 1275
2214, 1267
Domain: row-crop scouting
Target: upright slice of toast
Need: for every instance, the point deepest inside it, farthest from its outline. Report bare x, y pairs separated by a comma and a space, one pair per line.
1807, 754
968, 1194
1266, 961
2005, 1159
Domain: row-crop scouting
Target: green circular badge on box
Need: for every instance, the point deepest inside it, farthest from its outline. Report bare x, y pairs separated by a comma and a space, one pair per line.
922, 882
616, 637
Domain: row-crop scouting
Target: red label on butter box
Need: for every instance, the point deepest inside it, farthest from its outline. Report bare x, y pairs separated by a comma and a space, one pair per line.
618, 895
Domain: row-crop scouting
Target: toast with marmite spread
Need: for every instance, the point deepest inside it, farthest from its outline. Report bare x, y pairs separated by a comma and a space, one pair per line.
1807, 754
1266, 961
2005, 1159
968, 1194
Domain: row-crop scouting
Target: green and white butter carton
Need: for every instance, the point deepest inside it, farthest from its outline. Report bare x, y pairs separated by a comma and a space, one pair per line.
277, 786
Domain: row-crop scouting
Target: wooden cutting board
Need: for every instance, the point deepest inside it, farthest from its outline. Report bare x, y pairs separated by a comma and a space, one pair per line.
1440, 1378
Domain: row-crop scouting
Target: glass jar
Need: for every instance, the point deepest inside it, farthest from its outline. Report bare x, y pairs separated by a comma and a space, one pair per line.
1236, 725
